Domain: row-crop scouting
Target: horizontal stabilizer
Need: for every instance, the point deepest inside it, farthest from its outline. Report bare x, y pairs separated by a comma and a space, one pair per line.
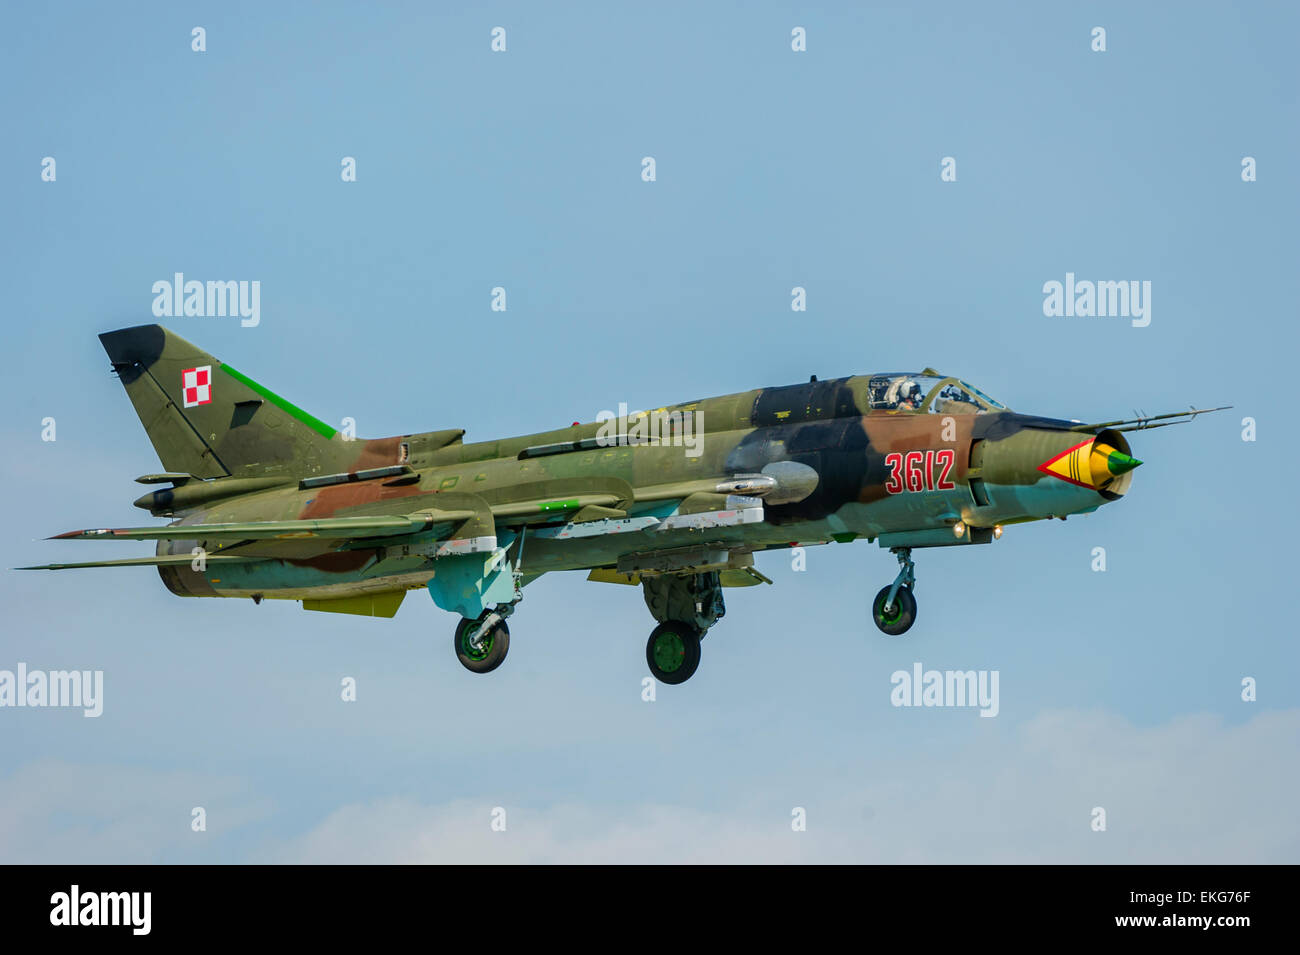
144, 562
337, 528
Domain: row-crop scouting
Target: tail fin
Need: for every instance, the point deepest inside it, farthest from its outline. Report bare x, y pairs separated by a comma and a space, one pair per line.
207, 419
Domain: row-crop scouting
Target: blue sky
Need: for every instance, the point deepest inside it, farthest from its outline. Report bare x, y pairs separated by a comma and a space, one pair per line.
775, 169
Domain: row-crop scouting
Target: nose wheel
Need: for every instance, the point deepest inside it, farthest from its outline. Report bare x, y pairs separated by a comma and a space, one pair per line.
482, 643
894, 609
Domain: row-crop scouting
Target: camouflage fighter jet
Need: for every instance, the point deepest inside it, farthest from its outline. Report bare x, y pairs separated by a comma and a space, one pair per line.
270, 502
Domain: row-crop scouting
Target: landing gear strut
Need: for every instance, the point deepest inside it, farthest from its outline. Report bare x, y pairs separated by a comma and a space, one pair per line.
481, 642
686, 606
894, 608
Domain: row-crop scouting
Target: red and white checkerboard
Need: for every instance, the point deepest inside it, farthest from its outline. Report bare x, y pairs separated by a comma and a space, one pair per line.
196, 386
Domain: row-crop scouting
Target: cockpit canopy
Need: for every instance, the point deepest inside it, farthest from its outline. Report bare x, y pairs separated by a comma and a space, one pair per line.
928, 391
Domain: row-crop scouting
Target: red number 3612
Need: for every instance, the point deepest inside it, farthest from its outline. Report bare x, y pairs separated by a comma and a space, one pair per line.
914, 471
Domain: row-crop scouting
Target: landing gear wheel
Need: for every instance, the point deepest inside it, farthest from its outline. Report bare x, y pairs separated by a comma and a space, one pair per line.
491, 649
673, 652
898, 620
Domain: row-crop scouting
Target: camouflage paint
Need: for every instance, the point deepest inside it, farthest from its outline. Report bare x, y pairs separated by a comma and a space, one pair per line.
257, 445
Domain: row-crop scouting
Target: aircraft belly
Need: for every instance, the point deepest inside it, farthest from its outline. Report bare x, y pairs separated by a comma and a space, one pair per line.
553, 554
338, 574
1045, 498
353, 588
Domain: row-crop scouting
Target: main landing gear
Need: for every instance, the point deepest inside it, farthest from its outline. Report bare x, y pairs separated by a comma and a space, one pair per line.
686, 606
894, 608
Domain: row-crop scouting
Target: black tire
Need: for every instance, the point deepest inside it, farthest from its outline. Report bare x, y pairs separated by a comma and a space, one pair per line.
673, 652
904, 615
492, 648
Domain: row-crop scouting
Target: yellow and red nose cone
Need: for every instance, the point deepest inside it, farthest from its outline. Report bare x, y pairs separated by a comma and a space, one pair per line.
1091, 463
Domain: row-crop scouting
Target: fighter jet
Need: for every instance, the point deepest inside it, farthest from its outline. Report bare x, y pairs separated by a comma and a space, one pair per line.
270, 502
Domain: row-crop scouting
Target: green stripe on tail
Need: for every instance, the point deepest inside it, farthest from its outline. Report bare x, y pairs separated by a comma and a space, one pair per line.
320, 427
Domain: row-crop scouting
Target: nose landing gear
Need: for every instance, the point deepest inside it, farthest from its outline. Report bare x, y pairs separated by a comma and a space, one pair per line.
894, 609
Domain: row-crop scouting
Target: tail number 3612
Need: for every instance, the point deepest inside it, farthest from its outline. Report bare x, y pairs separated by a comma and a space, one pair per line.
915, 471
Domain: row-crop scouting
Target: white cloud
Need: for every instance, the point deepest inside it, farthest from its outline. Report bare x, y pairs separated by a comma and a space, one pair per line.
1191, 790
62, 813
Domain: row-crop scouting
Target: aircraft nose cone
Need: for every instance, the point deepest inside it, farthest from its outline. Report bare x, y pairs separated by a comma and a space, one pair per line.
1094, 464
1117, 463
1109, 462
